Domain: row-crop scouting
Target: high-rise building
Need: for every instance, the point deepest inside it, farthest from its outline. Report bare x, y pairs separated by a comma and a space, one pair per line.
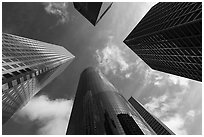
158, 127
169, 38
93, 11
28, 66
100, 109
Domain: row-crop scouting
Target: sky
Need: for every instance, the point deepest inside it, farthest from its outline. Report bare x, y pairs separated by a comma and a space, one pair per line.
175, 100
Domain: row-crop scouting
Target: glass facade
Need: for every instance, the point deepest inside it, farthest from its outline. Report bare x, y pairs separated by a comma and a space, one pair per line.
129, 125
93, 11
158, 127
169, 38
99, 109
27, 66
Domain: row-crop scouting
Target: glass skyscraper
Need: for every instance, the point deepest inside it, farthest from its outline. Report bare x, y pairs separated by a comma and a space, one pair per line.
100, 109
158, 127
92, 11
28, 66
169, 38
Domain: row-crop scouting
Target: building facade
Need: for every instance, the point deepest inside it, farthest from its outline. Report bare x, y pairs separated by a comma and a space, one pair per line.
158, 127
99, 109
169, 38
92, 11
28, 66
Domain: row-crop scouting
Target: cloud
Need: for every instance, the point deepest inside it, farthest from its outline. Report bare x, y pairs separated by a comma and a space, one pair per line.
176, 124
111, 58
172, 107
128, 75
59, 9
178, 80
52, 116
177, 106
160, 79
118, 60
161, 108
157, 106
191, 113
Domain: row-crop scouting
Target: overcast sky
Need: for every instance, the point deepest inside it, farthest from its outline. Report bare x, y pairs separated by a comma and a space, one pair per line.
174, 100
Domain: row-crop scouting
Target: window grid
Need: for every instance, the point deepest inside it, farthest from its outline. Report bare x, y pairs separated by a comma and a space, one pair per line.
169, 38
23, 62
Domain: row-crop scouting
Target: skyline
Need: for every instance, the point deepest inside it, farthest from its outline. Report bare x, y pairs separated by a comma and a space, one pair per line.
171, 97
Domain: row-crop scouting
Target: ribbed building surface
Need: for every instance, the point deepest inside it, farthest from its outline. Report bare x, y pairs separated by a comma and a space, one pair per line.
92, 11
28, 66
99, 109
158, 127
169, 38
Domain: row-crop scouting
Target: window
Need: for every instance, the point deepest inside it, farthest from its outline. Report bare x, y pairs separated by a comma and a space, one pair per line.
21, 79
7, 75
129, 125
7, 67
7, 60
22, 71
5, 86
14, 65
16, 73
21, 64
28, 69
28, 77
14, 59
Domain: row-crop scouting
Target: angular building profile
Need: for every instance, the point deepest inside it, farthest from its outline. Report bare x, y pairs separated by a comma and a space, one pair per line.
169, 38
99, 109
28, 66
93, 11
158, 127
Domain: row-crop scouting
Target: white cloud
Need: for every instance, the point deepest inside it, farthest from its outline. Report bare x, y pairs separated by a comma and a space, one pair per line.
178, 80
157, 106
176, 124
178, 107
153, 77
158, 83
118, 59
59, 9
168, 102
111, 58
161, 108
190, 114
52, 115
171, 106
148, 74
160, 79
128, 75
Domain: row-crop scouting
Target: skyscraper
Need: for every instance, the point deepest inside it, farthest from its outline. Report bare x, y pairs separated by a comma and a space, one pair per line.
28, 66
93, 11
158, 127
169, 38
100, 109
